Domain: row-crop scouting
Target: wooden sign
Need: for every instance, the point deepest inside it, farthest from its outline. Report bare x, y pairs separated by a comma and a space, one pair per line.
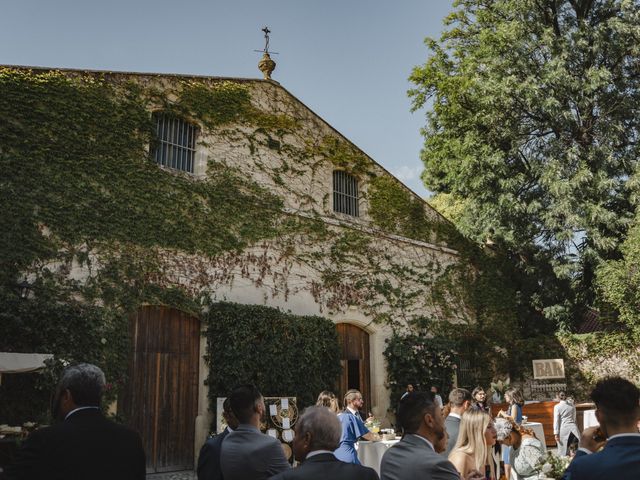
548, 369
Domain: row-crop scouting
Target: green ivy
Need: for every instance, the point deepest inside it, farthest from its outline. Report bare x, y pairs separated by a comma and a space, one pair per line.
281, 353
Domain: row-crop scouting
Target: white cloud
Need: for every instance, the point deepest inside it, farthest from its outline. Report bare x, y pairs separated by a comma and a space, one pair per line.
407, 174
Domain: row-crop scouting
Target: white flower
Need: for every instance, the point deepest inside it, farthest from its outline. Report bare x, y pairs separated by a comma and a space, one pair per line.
103, 341
546, 468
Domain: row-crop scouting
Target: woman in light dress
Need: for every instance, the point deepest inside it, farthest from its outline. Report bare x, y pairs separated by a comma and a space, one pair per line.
526, 450
514, 398
473, 447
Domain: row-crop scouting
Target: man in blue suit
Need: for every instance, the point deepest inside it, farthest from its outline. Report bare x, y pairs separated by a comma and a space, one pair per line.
209, 459
618, 411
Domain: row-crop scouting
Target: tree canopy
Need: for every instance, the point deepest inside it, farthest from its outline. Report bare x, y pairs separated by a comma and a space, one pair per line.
533, 125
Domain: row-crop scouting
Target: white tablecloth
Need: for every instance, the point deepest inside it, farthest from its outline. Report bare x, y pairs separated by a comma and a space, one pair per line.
538, 430
370, 453
589, 419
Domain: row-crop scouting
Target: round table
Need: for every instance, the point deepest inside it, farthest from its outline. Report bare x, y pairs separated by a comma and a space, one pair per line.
589, 419
370, 453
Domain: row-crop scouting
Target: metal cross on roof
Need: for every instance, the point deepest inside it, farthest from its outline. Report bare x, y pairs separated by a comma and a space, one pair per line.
266, 41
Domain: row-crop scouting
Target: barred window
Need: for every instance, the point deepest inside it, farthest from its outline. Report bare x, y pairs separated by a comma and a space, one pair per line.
176, 147
345, 193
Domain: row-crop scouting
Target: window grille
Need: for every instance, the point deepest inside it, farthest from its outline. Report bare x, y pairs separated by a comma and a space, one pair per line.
176, 147
345, 193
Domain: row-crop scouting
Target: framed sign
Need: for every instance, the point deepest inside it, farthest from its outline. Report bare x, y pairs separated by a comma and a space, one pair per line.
548, 369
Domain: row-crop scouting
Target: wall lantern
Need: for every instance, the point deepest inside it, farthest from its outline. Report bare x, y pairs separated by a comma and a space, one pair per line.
24, 288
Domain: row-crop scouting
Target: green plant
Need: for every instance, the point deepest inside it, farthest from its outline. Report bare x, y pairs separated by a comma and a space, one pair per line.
281, 353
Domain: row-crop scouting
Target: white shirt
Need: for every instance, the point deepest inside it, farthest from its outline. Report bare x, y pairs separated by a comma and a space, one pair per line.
78, 409
455, 415
317, 452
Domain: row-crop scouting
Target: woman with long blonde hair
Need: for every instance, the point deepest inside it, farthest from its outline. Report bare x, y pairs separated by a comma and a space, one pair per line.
473, 448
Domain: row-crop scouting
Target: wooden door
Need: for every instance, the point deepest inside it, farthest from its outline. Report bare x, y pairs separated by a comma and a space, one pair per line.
160, 400
354, 344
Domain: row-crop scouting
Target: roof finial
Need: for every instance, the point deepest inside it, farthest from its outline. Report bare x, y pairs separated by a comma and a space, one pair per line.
266, 64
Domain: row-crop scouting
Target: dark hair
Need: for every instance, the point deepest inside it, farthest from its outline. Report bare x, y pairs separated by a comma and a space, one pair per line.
412, 408
458, 396
86, 383
618, 399
244, 401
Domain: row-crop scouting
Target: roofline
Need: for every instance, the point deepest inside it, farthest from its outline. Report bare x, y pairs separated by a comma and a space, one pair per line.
243, 80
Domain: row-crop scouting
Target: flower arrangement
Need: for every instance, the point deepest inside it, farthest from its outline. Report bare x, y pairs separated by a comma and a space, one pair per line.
551, 466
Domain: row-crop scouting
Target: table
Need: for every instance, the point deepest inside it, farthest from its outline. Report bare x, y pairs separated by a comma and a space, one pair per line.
538, 430
589, 419
370, 453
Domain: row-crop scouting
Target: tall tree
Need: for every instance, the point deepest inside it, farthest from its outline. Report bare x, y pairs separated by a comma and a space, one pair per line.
533, 122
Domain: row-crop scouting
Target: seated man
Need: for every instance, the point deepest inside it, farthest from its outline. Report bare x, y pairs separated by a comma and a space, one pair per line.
318, 433
617, 410
84, 445
247, 453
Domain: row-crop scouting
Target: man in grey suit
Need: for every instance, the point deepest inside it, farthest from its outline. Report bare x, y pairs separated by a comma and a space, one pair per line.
460, 400
318, 433
247, 453
414, 457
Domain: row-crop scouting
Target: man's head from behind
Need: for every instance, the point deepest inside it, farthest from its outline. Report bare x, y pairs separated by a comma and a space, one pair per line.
460, 400
247, 404
80, 385
617, 403
317, 429
417, 413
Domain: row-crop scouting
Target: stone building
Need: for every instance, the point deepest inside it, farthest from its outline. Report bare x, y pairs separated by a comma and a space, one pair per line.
340, 236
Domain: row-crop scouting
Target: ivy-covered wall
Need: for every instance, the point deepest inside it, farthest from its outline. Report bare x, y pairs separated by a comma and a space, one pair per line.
89, 217
284, 354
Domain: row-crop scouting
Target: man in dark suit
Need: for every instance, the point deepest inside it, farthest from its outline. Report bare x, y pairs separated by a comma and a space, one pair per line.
247, 453
318, 434
415, 455
84, 445
460, 400
618, 411
209, 458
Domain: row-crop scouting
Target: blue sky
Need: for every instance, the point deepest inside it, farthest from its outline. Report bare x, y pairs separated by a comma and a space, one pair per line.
348, 60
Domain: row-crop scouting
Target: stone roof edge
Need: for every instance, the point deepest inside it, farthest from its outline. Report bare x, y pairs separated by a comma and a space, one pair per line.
234, 79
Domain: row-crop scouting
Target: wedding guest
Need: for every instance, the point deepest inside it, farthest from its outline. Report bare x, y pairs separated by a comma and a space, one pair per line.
526, 450
318, 434
328, 399
473, 448
353, 428
414, 456
617, 411
209, 458
515, 400
460, 401
84, 445
480, 400
409, 390
437, 399
565, 429
247, 452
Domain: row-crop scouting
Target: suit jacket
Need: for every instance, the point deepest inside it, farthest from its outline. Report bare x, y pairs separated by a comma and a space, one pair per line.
247, 453
326, 466
209, 458
85, 446
411, 458
619, 460
564, 424
452, 425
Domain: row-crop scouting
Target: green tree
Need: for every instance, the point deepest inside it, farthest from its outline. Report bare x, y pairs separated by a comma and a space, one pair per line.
533, 123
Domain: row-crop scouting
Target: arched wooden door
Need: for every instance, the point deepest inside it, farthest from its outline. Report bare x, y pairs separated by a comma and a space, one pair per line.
354, 344
160, 400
